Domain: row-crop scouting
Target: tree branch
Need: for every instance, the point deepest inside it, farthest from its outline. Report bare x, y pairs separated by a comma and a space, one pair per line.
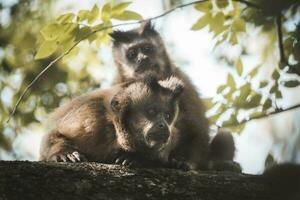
277, 111
102, 29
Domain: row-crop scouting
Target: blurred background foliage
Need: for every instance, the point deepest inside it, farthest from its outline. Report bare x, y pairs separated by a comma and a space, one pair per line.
32, 36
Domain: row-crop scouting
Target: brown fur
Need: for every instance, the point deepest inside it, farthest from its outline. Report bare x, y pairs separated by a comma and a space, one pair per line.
193, 147
107, 124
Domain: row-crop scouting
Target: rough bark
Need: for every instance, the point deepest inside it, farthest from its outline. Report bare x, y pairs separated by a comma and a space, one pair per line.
40, 180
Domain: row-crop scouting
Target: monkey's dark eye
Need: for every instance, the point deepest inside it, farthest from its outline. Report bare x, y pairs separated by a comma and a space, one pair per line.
148, 49
132, 53
167, 116
151, 112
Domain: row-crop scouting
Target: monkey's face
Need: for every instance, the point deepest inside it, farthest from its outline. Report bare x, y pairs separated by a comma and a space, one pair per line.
152, 121
149, 115
139, 51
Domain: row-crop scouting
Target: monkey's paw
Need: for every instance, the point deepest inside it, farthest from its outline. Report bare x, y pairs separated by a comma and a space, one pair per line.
179, 165
68, 157
126, 160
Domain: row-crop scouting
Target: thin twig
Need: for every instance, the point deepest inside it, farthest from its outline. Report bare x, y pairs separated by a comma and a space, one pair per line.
102, 29
280, 38
277, 111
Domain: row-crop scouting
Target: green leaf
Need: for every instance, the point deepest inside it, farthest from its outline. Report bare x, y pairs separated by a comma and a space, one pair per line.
93, 15
278, 94
82, 32
46, 49
204, 6
83, 15
233, 38
255, 100
239, 67
51, 31
267, 104
232, 121
201, 22
256, 115
291, 84
231, 82
128, 15
274, 88
245, 91
221, 88
275, 75
222, 3
65, 18
263, 84
253, 72
106, 12
216, 24
238, 25
119, 8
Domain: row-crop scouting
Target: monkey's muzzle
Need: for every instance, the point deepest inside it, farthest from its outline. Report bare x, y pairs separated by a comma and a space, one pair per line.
158, 135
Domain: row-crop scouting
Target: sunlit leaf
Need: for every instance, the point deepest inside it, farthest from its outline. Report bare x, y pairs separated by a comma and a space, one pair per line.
275, 75
221, 88
65, 18
232, 121
128, 15
263, 84
231, 82
238, 25
292, 83
106, 12
278, 94
222, 3
51, 31
239, 67
267, 104
253, 72
46, 49
233, 38
256, 115
93, 15
119, 8
202, 22
204, 6
83, 15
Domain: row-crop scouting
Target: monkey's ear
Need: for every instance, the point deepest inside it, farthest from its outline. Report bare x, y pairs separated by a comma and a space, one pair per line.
115, 105
147, 28
118, 103
120, 36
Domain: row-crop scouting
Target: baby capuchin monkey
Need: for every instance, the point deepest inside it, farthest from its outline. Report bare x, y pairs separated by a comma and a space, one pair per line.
130, 124
140, 51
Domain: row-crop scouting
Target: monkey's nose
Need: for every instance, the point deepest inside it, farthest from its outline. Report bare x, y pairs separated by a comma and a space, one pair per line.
162, 126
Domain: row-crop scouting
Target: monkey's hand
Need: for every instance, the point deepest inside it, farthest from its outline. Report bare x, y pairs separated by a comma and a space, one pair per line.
126, 160
74, 156
173, 163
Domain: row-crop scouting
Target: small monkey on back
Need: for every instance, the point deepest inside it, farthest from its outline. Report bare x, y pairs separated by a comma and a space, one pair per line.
129, 124
140, 51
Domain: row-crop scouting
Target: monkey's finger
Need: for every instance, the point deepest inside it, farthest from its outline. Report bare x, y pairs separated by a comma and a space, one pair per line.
77, 156
125, 162
62, 158
71, 158
119, 160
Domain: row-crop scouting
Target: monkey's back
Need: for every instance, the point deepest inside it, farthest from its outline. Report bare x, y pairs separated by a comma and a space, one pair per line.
85, 124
